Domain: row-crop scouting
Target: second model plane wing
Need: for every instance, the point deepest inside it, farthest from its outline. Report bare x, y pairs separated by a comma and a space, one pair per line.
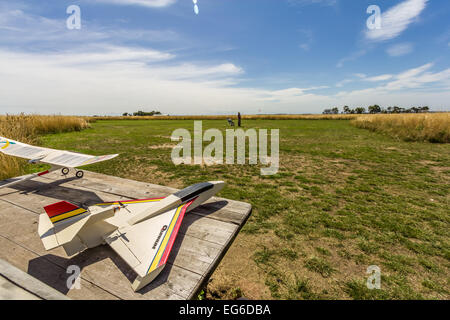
54, 157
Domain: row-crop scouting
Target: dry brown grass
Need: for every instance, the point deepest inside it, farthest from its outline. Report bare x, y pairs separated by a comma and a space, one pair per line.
431, 127
26, 128
244, 117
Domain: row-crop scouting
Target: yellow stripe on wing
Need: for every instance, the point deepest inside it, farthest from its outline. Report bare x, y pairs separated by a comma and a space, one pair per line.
67, 215
163, 245
127, 202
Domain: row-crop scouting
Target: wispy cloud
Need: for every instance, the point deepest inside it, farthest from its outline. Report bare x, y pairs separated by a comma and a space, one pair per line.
20, 27
419, 77
99, 71
87, 83
396, 20
400, 49
308, 39
383, 77
353, 56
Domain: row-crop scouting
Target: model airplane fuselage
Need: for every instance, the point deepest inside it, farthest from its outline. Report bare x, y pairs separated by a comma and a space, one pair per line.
58, 159
142, 232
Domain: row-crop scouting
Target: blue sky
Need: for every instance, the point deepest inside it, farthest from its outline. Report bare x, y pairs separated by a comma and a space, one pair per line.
252, 56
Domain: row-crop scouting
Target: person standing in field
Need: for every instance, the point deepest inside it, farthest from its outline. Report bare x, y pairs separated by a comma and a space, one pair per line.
239, 119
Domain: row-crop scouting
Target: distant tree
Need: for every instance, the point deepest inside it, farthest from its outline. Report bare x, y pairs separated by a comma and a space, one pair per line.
374, 109
142, 113
360, 110
335, 110
424, 109
396, 109
327, 111
125, 114
347, 109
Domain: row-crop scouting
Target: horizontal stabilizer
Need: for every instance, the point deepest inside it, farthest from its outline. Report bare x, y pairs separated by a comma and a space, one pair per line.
65, 224
63, 211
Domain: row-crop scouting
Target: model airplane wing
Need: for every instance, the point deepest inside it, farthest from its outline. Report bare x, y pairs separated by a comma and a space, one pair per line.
74, 160
146, 246
22, 150
54, 157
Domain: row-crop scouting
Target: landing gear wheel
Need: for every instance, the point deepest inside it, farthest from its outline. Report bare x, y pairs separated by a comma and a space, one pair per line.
65, 171
79, 174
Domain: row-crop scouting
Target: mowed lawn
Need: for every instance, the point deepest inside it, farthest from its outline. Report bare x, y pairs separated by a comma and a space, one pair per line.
344, 199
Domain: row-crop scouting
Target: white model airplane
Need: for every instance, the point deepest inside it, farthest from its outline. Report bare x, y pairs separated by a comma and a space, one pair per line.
142, 232
58, 159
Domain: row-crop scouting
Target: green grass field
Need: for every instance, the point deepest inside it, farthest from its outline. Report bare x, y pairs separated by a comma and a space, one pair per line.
344, 199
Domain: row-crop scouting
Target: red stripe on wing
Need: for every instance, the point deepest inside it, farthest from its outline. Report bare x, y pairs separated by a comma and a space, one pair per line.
174, 233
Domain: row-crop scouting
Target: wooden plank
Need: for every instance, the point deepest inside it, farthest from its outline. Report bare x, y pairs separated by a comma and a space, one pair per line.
189, 253
115, 185
193, 254
101, 265
205, 235
211, 230
21, 282
11, 291
49, 273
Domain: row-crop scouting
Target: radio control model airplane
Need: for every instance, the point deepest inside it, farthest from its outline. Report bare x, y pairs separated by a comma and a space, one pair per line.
141, 232
58, 159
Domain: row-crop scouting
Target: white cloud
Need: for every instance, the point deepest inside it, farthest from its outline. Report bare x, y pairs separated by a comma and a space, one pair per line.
32, 82
396, 20
106, 76
417, 78
145, 3
21, 28
400, 49
414, 78
342, 83
308, 39
383, 77
353, 56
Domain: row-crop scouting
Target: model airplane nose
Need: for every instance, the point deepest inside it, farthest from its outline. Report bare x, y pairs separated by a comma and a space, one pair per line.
218, 185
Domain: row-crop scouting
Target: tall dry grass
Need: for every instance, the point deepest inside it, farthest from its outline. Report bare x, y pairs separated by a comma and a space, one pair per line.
431, 127
26, 129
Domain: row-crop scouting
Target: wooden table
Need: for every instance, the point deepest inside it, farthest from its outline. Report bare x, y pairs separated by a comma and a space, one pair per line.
205, 235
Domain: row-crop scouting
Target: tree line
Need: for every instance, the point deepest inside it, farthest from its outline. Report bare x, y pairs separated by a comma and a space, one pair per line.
376, 109
141, 113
